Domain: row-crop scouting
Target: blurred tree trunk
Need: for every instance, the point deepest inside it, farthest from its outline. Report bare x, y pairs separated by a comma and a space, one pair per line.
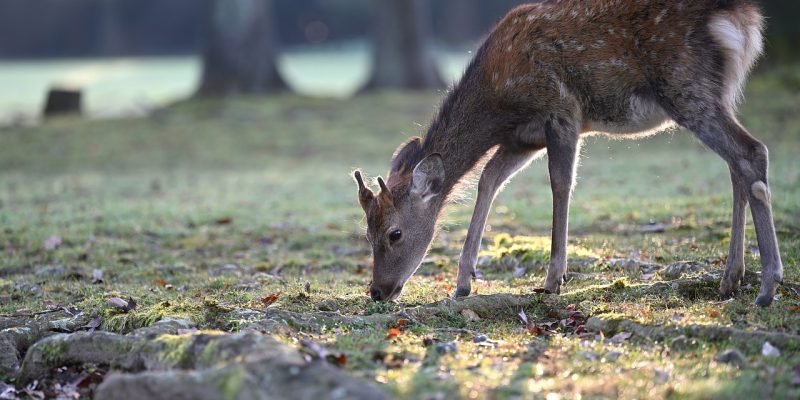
111, 41
461, 22
240, 48
400, 35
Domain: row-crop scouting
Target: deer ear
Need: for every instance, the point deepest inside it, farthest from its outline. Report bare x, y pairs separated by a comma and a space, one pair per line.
365, 196
428, 178
405, 152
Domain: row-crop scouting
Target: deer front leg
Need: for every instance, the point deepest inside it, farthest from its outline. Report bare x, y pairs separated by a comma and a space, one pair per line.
734, 269
503, 164
562, 151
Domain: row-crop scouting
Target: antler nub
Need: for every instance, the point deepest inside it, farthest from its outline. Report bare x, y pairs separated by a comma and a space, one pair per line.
365, 195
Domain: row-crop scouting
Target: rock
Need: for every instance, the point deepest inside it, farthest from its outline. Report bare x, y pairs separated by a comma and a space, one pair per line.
232, 366
196, 365
51, 270
76, 348
676, 270
680, 343
470, 315
166, 325
613, 356
69, 324
328, 305
9, 355
447, 347
731, 356
768, 350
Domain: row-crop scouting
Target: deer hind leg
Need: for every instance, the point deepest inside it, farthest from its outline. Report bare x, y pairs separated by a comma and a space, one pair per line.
748, 161
503, 164
563, 144
734, 269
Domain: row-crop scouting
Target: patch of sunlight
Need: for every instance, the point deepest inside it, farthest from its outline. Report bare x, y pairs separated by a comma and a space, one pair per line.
531, 248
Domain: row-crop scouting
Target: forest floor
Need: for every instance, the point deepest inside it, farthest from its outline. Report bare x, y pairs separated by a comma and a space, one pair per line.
235, 224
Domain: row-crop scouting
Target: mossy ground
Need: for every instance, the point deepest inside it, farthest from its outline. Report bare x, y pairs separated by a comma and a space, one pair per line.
209, 208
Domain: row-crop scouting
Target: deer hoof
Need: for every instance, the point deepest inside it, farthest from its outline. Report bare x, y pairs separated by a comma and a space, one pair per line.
729, 285
764, 300
462, 292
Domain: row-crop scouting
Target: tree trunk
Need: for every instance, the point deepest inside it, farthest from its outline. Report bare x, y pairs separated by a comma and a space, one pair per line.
62, 101
401, 33
111, 37
460, 22
240, 49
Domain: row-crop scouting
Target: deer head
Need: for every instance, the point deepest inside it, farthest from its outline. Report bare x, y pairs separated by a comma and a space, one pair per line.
401, 221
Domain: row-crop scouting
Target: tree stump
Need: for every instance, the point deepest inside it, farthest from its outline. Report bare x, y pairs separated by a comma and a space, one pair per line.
63, 101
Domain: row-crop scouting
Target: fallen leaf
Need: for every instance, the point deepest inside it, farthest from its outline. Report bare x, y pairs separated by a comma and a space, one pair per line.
523, 317
66, 391
713, 313
31, 391
447, 287
121, 304
534, 329
160, 282
768, 350
402, 322
392, 333
793, 309
97, 276
224, 221
470, 315
52, 243
314, 349
338, 359
7, 392
621, 337
439, 277
93, 324
271, 298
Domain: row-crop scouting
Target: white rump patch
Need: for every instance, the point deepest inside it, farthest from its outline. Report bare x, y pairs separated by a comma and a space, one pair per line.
739, 34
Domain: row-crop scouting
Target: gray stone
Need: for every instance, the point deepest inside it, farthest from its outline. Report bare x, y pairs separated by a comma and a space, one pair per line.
731, 356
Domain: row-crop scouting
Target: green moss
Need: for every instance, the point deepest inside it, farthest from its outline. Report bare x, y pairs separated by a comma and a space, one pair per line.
231, 383
53, 351
174, 350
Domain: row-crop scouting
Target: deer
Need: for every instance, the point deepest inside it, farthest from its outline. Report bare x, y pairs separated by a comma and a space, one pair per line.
552, 73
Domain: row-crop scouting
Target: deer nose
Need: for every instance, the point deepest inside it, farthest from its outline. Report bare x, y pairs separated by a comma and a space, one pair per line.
375, 294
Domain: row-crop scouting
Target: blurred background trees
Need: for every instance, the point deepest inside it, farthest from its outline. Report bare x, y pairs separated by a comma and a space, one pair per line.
240, 48
247, 46
76, 28
401, 39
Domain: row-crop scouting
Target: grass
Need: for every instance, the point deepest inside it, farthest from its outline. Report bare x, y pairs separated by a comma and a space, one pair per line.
203, 209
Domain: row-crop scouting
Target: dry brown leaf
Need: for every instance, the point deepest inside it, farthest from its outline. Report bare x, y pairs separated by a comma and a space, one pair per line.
392, 333
271, 298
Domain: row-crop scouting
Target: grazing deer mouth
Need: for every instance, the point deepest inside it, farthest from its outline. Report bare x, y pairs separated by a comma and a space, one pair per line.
378, 294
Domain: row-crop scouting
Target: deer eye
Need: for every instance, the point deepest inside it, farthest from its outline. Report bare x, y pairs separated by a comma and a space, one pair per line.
395, 235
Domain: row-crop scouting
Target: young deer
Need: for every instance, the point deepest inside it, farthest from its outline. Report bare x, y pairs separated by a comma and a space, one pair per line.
551, 73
